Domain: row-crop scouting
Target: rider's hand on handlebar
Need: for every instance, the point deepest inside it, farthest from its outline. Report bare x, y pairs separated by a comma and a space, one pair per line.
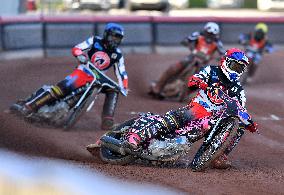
125, 91
82, 59
252, 127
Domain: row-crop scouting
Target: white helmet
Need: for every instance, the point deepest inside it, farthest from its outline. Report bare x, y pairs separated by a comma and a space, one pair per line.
212, 27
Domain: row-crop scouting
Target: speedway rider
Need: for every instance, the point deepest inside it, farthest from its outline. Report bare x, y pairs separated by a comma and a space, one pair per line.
103, 53
207, 42
195, 117
257, 41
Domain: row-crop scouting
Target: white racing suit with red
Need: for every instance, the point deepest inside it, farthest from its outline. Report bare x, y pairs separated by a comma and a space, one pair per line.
103, 58
194, 118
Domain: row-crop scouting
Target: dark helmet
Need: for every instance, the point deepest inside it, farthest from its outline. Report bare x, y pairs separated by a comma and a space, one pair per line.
113, 35
234, 63
260, 31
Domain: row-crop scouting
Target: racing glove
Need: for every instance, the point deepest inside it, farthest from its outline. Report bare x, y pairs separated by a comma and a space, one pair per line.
82, 59
197, 82
252, 127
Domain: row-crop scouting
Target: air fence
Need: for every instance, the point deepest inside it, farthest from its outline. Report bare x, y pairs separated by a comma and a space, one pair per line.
61, 33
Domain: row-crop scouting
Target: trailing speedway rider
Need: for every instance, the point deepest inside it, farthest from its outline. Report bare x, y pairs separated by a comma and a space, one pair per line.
206, 41
194, 119
257, 40
104, 54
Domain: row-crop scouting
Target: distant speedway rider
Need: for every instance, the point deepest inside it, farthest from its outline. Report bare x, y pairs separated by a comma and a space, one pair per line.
258, 42
195, 117
104, 54
206, 41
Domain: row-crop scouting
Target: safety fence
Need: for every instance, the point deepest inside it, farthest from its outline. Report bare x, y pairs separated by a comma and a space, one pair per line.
63, 32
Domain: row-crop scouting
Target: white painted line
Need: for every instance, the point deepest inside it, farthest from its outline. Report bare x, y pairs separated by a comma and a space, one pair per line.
274, 117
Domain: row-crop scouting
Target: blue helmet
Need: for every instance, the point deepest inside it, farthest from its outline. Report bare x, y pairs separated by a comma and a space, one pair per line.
234, 63
113, 35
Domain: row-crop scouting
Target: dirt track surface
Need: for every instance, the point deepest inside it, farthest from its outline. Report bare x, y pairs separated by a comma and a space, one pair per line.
258, 162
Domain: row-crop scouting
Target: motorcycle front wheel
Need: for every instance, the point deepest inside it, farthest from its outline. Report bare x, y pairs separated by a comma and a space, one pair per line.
207, 153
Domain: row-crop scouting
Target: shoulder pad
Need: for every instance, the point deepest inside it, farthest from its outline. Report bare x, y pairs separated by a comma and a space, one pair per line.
193, 36
118, 50
97, 38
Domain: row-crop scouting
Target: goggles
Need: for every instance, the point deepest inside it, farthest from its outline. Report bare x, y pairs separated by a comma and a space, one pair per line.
237, 66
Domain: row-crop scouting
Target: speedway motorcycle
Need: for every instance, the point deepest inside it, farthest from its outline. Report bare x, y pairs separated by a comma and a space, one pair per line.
169, 149
65, 112
176, 88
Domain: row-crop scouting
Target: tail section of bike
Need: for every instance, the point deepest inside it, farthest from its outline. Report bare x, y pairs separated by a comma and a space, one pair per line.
110, 149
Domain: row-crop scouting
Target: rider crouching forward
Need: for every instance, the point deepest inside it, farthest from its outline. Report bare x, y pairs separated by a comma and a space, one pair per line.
194, 119
258, 42
206, 42
104, 54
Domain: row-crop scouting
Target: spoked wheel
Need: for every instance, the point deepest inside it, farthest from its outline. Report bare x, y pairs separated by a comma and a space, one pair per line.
207, 153
77, 113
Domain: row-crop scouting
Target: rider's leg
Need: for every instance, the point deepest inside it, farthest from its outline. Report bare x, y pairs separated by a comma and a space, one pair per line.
145, 128
171, 72
198, 125
109, 109
46, 95
77, 79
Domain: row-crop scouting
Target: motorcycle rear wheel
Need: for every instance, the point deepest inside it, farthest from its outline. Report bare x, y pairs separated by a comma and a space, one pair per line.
207, 153
112, 157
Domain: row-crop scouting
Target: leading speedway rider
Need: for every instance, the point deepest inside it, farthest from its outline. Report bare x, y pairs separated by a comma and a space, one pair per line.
103, 53
194, 119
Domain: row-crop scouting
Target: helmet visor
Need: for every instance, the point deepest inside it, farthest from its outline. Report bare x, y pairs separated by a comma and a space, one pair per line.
237, 66
114, 39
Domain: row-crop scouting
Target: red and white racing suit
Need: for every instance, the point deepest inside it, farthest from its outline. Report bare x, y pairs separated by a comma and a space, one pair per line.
103, 59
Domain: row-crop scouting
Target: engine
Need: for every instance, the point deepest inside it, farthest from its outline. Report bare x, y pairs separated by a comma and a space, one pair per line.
54, 112
169, 149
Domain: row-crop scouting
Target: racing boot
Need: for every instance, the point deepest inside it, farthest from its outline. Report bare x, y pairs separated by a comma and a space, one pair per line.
132, 141
157, 87
46, 96
221, 162
108, 109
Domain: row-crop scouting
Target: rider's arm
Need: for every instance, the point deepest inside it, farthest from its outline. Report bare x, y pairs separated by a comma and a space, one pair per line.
241, 96
200, 80
190, 40
244, 38
220, 48
81, 47
268, 47
121, 73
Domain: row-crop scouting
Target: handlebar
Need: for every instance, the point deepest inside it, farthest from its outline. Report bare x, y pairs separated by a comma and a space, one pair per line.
102, 79
234, 107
